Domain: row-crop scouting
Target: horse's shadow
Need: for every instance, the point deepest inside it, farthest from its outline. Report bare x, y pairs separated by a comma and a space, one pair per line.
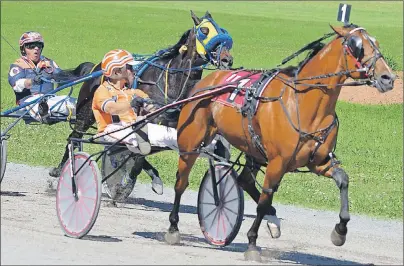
101, 238
160, 205
167, 207
268, 255
13, 193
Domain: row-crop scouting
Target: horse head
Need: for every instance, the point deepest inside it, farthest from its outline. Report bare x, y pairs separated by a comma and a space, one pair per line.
361, 52
212, 43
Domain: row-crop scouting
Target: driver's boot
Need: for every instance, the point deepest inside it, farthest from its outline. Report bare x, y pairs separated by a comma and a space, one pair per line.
43, 111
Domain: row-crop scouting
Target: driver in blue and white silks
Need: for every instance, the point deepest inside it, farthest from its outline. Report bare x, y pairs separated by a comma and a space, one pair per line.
25, 79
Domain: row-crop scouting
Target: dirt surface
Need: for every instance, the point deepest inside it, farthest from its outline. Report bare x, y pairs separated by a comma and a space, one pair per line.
370, 95
133, 232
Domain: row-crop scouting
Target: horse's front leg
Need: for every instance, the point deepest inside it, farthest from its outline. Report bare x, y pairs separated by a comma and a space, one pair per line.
275, 170
329, 169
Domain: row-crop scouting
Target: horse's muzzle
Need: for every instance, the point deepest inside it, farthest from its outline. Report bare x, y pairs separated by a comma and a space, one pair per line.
226, 62
385, 82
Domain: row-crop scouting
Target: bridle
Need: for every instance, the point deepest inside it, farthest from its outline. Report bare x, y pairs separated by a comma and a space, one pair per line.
367, 66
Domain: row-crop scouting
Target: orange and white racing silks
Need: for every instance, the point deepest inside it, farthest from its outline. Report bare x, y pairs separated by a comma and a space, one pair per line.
161, 136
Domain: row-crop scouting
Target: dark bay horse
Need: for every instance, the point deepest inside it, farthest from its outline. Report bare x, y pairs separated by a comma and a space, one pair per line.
166, 77
292, 125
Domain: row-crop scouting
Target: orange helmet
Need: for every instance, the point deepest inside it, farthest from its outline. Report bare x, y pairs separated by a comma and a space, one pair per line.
117, 58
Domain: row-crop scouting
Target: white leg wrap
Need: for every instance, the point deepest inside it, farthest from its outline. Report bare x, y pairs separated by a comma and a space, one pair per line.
273, 225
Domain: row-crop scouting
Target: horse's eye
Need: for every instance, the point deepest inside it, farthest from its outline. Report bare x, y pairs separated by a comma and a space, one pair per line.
205, 30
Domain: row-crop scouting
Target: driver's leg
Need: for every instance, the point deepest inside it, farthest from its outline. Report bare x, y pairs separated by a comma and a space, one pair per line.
162, 136
62, 105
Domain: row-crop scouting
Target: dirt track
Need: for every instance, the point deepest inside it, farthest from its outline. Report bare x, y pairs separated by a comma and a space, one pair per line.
370, 95
133, 233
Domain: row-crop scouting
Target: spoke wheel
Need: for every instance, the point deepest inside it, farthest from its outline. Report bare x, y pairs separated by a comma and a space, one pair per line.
77, 216
220, 224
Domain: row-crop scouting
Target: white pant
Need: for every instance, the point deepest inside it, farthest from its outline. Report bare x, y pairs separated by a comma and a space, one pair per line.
159, 135
58, 106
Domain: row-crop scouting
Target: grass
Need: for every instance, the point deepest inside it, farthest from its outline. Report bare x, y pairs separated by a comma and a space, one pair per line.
370, 139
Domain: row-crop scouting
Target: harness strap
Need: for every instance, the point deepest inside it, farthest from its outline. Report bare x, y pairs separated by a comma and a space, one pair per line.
320, 140
166, 82
333, 163
248, 109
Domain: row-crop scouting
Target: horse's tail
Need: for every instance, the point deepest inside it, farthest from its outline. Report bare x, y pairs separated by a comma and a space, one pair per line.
74, 73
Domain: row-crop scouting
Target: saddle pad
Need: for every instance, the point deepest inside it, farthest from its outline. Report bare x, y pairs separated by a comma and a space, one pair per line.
244, 80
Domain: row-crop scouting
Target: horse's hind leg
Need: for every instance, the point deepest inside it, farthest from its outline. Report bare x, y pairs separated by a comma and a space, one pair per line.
246, 181
190, 138
338, 234
275, 170
84, 120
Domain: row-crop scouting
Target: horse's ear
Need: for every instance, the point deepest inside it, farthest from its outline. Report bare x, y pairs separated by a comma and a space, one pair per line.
208, 15
338, 30
195, 18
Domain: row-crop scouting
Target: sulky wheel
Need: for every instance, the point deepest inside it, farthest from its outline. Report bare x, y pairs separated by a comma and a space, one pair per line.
118, 186
220, 222
3, 157
77, 215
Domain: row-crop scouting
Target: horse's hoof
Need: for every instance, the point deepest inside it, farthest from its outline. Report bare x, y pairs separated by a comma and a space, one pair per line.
172, 238
252, 254
337, 239
111, 204
55, 172
273, 226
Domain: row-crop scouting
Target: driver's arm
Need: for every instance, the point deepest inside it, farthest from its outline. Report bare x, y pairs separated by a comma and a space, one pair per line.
120, 108
17, 78
103, 101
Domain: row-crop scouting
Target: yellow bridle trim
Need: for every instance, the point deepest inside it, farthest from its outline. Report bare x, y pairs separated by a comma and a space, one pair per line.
166, 83
200, 47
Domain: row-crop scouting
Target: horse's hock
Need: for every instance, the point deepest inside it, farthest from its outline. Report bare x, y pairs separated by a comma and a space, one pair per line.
366, 95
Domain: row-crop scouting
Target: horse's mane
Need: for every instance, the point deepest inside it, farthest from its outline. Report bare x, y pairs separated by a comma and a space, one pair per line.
348, 26
173, 51
291, 70
317, 46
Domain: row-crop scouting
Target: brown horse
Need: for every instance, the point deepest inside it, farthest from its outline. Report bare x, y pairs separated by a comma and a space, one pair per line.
292, 124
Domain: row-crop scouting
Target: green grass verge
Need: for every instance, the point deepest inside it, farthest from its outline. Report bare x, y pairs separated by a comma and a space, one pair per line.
370, 139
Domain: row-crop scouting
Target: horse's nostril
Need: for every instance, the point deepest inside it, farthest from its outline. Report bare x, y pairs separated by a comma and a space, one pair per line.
386, 77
